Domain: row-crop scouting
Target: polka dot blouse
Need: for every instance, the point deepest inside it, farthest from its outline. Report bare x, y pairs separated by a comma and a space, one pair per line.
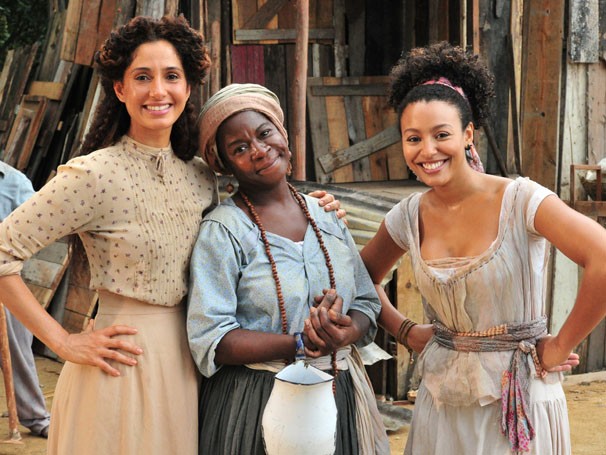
137, 210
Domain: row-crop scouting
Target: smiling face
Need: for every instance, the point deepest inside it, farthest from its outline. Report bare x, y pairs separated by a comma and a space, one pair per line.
434, 141
155, 90
253, 149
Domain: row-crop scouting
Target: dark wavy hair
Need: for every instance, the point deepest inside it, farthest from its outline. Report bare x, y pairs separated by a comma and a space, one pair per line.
111, 120
461, 68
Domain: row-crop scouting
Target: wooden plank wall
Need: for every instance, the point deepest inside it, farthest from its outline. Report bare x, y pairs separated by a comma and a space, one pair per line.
345, 113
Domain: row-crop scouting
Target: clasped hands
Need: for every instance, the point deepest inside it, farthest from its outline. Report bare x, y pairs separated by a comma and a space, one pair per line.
327, 328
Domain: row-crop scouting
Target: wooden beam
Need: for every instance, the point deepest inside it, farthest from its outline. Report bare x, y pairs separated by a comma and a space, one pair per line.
379, 141
350, 90
299, 89
265, 14
51, 90
289, 34
542, 67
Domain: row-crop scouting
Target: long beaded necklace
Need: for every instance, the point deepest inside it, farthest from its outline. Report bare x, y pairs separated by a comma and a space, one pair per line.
274, 268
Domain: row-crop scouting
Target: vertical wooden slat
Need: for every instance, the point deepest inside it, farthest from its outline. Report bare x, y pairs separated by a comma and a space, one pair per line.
475, 26
70, 32
374, 124
542, 63
339, 44
596, 112
356, 34
337, 131
584, 31
213, 39
299, 90
357, 131
319, 131
87, 34
107, 16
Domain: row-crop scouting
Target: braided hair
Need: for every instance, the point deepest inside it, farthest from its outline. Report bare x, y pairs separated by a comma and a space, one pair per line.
111, 120
443, 60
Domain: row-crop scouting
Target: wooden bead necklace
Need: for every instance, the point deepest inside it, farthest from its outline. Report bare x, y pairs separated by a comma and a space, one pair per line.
274, 268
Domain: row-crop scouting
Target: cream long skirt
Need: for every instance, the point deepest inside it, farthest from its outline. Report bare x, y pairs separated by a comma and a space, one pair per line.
151, 409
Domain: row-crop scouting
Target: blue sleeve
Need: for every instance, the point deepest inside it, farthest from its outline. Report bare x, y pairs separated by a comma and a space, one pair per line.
24, 191
212, 299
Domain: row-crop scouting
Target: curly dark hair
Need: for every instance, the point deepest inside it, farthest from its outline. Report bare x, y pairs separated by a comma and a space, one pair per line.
111, 120
461, 68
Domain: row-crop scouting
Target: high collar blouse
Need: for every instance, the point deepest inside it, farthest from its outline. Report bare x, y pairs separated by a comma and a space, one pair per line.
137, 210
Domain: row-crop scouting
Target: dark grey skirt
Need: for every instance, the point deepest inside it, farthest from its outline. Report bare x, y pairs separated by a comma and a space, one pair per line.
231, 407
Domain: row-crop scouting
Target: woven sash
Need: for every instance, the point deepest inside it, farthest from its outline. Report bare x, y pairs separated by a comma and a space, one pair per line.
522, 339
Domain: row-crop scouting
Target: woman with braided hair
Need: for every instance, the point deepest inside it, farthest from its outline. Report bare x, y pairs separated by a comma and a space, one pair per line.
261, 260
491, 375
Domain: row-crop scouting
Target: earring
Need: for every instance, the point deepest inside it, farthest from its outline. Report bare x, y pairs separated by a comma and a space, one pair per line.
229, 187
289, 168
468, 153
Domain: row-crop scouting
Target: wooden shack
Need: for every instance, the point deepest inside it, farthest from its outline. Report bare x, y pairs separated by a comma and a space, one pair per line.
549, 58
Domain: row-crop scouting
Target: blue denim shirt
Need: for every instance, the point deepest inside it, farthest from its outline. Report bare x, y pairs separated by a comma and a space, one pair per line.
231, 284
15, 188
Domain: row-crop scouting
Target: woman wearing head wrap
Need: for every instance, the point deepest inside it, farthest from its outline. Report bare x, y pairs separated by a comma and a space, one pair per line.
261, 260
491, 379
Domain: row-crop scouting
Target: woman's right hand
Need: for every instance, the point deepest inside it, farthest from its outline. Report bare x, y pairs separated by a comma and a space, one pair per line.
95, 347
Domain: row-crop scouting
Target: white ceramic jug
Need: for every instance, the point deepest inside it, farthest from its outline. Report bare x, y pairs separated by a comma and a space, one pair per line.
300, 417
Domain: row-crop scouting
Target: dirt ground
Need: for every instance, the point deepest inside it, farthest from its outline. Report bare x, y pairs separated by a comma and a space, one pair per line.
586, 395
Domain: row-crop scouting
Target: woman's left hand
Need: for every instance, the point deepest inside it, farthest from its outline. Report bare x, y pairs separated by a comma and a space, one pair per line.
329, 202
553, 357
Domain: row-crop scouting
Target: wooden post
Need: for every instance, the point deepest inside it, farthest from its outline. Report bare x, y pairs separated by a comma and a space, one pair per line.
7, 373
542, 68
300, 89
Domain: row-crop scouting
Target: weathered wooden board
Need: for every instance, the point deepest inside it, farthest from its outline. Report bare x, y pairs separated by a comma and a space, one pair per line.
50, 90
70, 32
25, 131
596, 112
542, 66
87, 33
584, 31
43, 272
16, 71
353, 130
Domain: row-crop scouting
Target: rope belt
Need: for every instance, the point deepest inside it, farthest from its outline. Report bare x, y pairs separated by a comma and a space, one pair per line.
522, 339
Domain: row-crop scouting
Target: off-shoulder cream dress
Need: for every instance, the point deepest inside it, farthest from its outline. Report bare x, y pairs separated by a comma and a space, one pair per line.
458, 407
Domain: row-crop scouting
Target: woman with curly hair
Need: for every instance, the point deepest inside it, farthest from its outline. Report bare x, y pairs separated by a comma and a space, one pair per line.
491, 375
136, 200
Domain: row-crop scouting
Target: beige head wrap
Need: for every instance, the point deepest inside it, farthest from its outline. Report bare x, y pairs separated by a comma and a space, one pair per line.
229, 101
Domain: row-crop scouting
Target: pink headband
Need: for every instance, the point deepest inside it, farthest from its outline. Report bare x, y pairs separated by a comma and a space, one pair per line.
445, 82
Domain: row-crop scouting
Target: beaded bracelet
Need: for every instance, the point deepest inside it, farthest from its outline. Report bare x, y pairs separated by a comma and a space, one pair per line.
300, 349
403, 331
